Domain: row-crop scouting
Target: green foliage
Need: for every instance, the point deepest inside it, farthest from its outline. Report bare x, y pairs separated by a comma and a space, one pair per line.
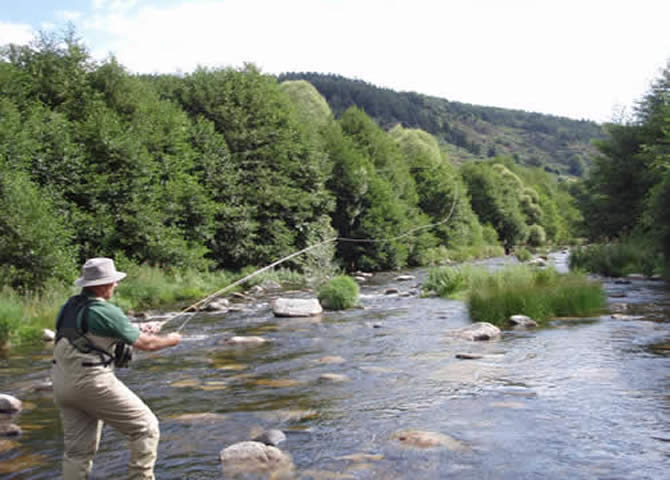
632, 255
495, 200
536, 236
11, 314
339, 293
449, 281
442, 195
626, 192
35, 245
523, 254
313, 107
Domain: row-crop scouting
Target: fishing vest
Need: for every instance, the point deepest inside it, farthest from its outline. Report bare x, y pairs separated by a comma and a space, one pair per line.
72, 323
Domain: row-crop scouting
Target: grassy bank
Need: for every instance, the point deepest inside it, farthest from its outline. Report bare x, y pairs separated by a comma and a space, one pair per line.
24, 316
539, 293
618, 259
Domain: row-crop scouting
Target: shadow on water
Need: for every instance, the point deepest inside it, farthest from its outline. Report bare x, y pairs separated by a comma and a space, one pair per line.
580, 399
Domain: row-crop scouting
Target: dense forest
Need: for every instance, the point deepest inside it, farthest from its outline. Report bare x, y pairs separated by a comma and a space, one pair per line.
559, 145
229, 168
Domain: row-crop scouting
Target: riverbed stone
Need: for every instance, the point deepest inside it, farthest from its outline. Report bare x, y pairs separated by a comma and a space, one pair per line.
255, 457
248, 341
9, 430
478, 331
296, 307
425, 439
391, 291
217, 305
618, 307
270, 437
469, 356
48, 335
334, 378
523, 321
404, 278
9, 404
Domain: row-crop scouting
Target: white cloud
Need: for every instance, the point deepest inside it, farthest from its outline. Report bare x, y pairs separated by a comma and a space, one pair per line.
573, 58
15, 33
69, 15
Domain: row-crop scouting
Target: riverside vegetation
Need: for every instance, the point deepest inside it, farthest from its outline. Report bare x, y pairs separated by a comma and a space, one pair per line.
538, 293
189, 181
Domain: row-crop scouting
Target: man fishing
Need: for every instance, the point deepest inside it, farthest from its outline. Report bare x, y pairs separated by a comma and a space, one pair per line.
92, 337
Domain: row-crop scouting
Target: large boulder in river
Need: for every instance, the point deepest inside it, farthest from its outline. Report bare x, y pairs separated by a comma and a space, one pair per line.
9, 404
296, 307
478, 331
255, 458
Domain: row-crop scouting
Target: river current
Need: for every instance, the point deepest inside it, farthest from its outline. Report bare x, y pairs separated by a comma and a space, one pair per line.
579, 399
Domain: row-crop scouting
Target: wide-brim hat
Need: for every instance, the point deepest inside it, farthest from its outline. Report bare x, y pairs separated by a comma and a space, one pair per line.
98, 271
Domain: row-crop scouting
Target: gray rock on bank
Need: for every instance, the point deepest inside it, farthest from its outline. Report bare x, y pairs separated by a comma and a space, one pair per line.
252, 457
9, 404
296, 307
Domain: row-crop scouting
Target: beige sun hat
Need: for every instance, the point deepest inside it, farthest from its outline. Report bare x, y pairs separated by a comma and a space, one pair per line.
98, 271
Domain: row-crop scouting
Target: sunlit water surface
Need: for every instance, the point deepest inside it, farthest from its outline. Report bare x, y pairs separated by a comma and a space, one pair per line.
585, 399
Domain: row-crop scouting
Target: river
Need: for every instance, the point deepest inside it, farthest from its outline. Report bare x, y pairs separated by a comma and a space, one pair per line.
579, 399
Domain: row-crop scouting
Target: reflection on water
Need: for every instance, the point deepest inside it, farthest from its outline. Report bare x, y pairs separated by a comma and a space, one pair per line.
578, 400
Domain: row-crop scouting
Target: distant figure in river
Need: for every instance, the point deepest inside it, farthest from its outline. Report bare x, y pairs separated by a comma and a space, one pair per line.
92, 337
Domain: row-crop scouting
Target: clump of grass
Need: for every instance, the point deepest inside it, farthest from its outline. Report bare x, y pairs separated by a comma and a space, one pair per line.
540, 294
11, 314
339, 293
449, 281
617, 259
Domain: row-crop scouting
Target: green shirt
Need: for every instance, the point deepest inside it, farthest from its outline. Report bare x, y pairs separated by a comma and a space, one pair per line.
107, 320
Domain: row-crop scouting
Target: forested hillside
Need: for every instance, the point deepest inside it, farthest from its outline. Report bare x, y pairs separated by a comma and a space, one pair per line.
557, 144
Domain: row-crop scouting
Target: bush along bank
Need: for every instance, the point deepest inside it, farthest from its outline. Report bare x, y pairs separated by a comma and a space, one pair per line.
541, 294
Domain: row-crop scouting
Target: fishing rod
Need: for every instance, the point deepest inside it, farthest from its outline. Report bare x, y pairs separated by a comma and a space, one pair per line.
201, 303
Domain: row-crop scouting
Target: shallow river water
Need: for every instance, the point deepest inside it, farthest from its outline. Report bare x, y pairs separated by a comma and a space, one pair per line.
580, 399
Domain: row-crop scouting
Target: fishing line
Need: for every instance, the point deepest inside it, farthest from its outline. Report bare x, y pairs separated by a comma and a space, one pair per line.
201, 303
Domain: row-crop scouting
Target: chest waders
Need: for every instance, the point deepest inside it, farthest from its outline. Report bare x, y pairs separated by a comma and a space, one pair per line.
72, 323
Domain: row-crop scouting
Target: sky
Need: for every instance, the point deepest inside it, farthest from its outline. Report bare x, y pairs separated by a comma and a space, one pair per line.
582, 59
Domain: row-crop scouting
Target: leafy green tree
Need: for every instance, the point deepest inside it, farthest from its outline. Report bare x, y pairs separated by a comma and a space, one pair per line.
442, 195
35, 245
281, 190
495, 200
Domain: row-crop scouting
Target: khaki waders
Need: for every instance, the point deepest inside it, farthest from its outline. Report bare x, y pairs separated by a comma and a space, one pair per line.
89, 396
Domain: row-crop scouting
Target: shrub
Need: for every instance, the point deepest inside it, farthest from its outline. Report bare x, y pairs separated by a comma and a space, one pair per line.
523, 254
536, 236
339, 293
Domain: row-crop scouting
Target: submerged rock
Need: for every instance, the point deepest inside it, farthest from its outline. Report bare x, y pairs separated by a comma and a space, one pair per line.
334, 378
244, 341
404, 278
9, 430
9, 404
478, 331
255, 457
469, 356
296, 307
423, 439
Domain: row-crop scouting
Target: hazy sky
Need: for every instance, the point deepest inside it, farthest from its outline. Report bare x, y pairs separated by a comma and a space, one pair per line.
575, 58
